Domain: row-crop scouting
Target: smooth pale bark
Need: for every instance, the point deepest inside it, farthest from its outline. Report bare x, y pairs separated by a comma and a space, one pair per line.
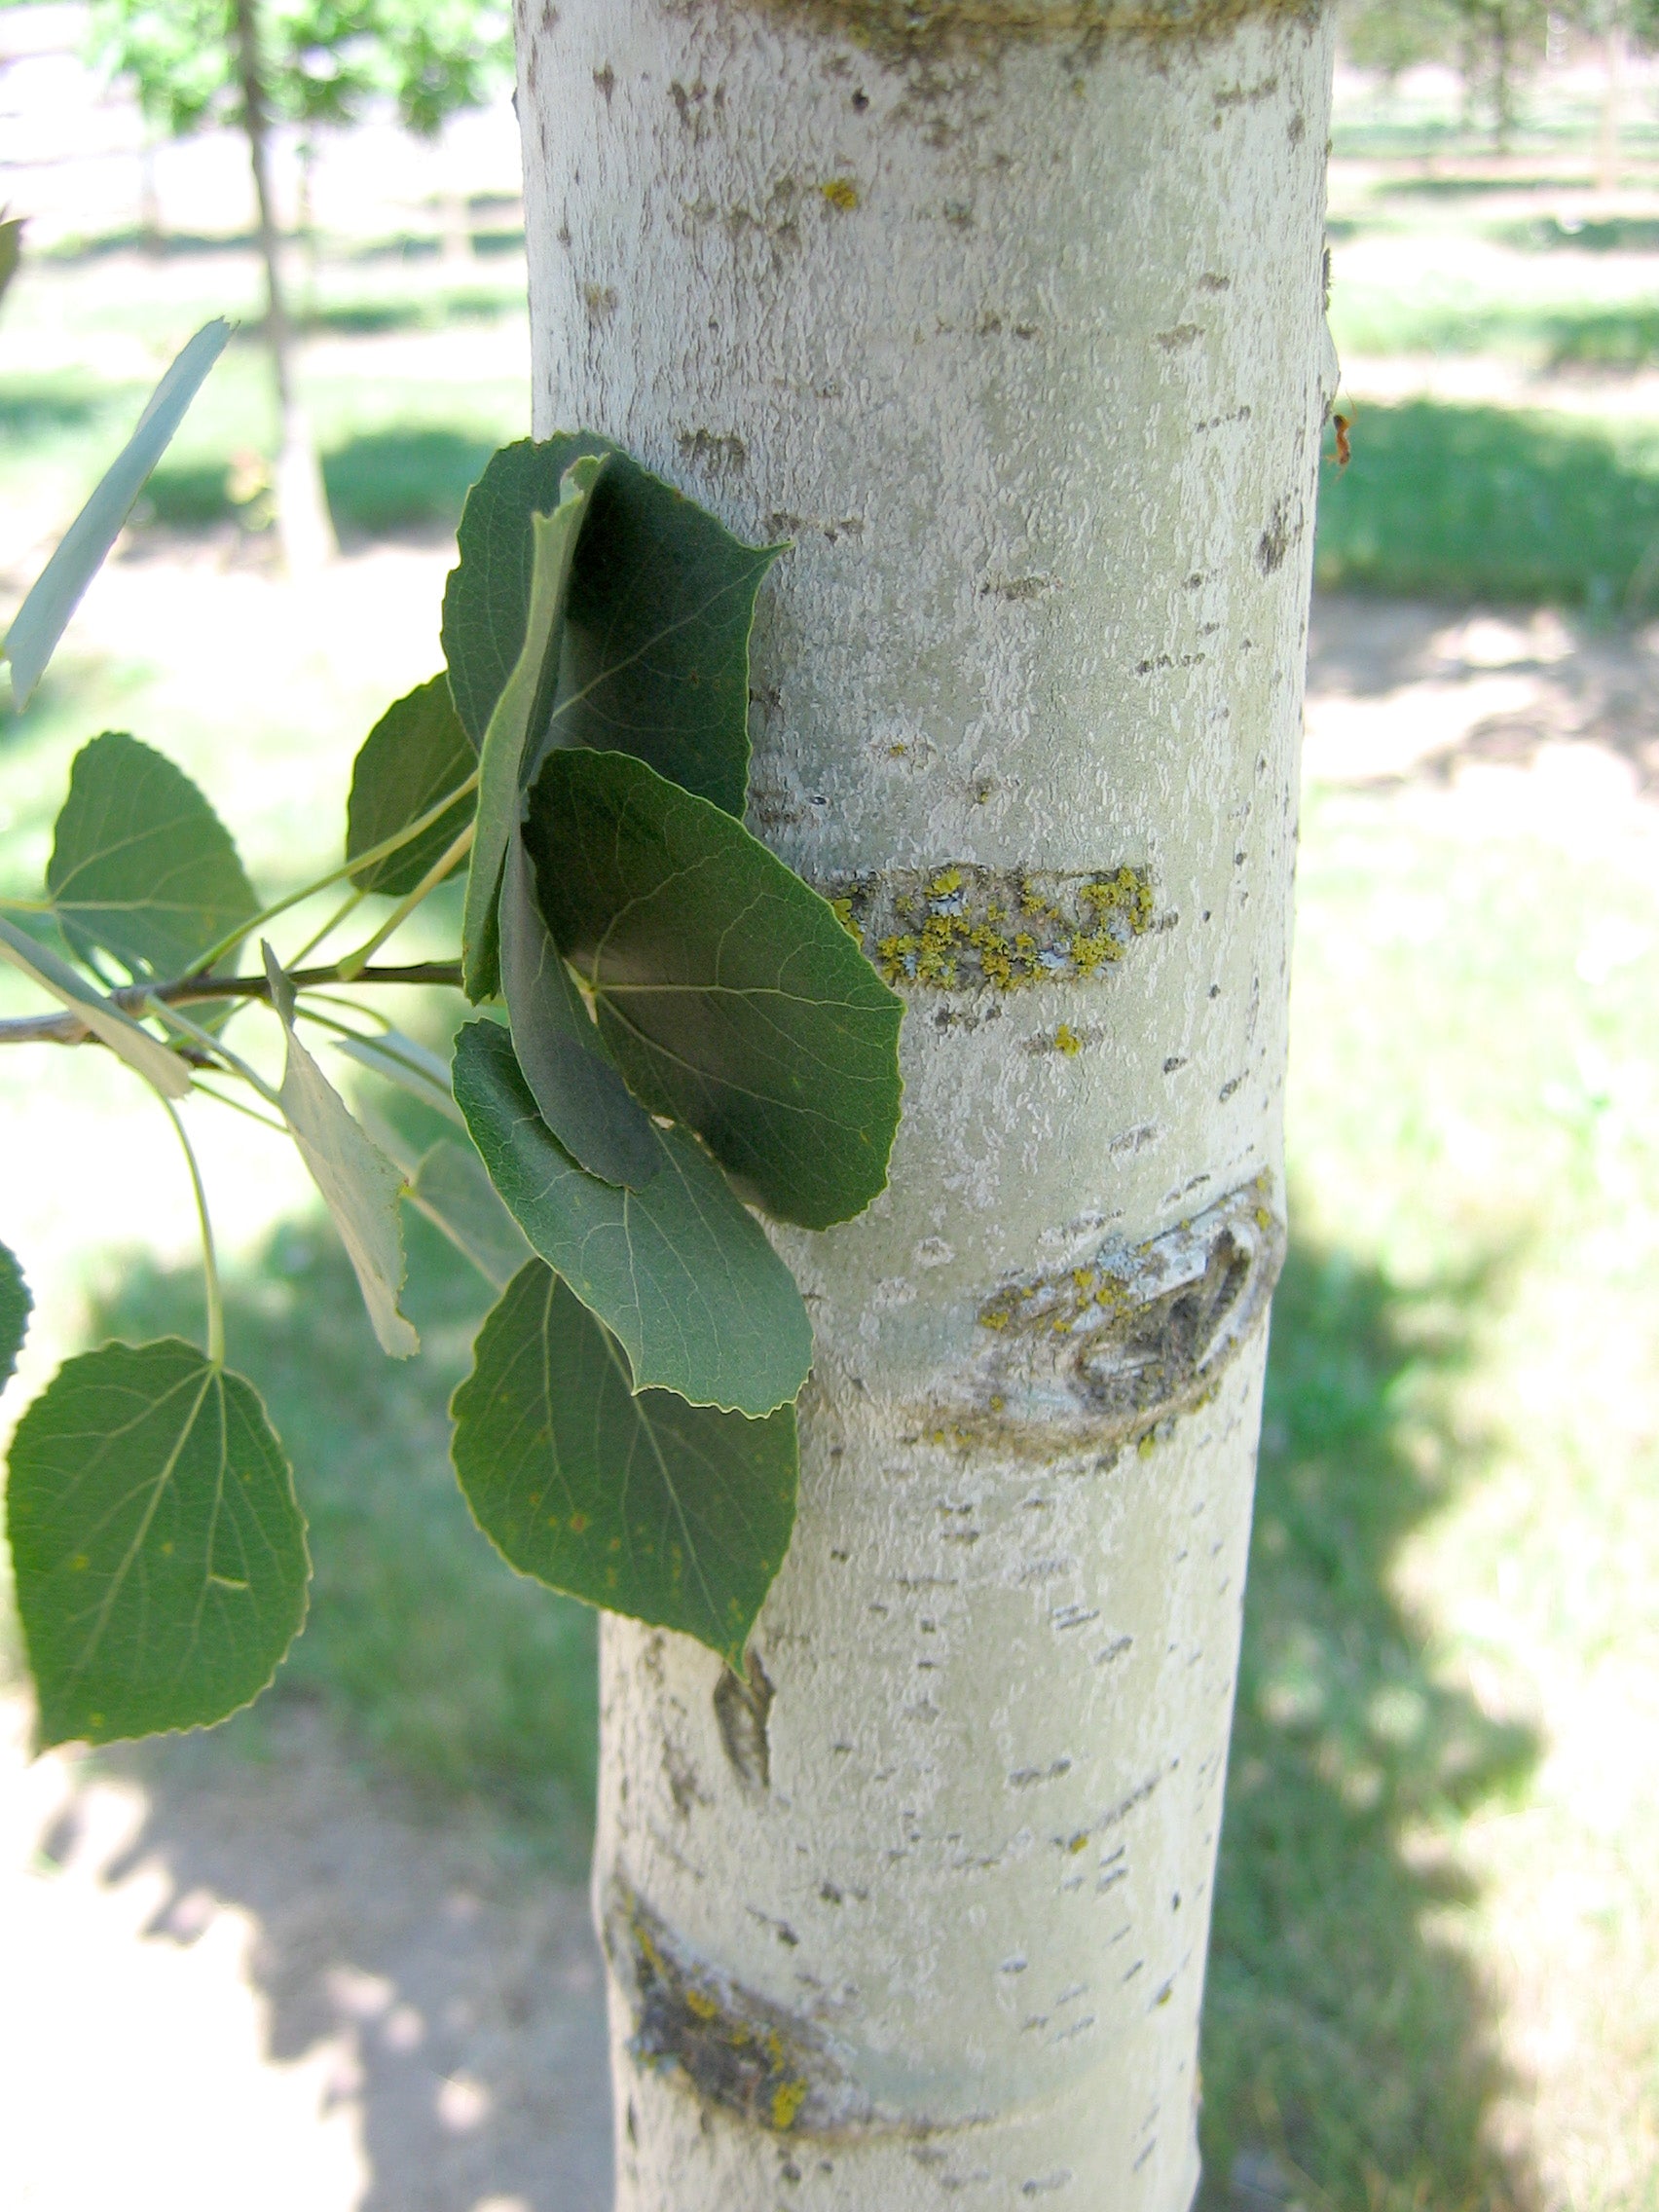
1018, 336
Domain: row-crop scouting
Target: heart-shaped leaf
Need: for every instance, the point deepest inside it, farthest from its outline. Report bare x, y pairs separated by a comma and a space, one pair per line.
673, 1514
679, 1271
655, 654
501, 755
15, 1306
728, 992
159, 1552
360, 1186
141, 1051
582, 1098
141, 867
415, 754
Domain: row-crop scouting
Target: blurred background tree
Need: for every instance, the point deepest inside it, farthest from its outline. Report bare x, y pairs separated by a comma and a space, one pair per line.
1392, 36
314, 64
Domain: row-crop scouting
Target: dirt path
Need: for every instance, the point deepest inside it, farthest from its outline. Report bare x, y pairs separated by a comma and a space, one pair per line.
218, 1967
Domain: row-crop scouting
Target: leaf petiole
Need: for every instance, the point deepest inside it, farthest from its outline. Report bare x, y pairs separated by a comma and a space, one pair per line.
355, 963
209, 1259
240, 1106
208, 1042
382, 851
342, 913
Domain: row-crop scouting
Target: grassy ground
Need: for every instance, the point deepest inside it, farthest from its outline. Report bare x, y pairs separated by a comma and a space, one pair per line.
1446, 262
1458, 1534
1437, 1932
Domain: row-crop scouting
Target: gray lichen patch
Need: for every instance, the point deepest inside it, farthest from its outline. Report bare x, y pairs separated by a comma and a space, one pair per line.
962, 927
901, 32
730, 2046
1100, 1355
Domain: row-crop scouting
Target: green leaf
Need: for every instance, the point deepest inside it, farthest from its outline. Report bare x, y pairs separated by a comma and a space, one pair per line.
360, 1186
141, 867
416, 753
502, 757
15, 1306
10, 251
582, 1098
679, 1271
673, 1514
656, 656
487, 597
45, 613
400, 1060
728, 992
159, 1553
451, 1190
136, 1047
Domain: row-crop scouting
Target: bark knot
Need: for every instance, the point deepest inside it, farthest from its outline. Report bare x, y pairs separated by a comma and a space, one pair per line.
1098, 1355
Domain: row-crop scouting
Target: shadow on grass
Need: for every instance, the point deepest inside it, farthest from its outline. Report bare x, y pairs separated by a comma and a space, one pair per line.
29, 410
368, 318
1601, 234
157, 245
1482, 502
1348, 2052
380, 484
1459, 188
1622, 337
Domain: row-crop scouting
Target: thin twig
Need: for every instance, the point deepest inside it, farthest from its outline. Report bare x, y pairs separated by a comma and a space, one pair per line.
198, 990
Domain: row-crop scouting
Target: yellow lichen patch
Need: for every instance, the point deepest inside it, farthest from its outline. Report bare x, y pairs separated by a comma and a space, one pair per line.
966, 927
787, 2100
841, 192
1067, 1040
843, 909
700, 2005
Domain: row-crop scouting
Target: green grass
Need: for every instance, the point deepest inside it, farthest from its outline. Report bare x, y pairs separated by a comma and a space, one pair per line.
1338, 2032
400, 440
380, 483
1458, 1491
1485, 502
1452, 311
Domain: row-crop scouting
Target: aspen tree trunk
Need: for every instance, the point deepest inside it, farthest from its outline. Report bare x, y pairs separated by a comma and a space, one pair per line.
1008, 314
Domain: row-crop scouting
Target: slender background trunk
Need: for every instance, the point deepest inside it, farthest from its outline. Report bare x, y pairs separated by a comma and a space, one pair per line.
1608, 150
1017, 335
303, 522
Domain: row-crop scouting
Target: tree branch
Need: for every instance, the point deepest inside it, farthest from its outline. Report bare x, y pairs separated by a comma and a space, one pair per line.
198, 990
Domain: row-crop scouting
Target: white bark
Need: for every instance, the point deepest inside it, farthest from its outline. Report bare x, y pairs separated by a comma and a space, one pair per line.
1018, 337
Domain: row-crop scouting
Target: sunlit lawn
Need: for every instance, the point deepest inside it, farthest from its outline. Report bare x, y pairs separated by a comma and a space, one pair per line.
1436, 1977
